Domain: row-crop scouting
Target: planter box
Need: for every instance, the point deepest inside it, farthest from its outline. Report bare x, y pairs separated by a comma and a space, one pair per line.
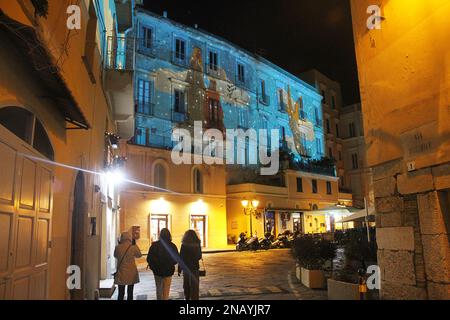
313, 279
338, 290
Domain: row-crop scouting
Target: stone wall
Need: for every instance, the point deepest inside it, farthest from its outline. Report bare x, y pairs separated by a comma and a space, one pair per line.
412, 237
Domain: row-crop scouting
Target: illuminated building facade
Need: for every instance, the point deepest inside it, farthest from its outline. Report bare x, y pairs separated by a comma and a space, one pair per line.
183, 75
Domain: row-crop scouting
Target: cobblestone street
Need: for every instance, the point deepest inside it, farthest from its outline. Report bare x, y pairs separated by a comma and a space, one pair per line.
239, 276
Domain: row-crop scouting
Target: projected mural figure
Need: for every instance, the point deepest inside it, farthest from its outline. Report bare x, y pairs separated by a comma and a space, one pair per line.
301, 130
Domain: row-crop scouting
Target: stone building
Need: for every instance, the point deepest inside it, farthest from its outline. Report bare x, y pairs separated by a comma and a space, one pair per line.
332, 103
404, 77
58, 137
358, 175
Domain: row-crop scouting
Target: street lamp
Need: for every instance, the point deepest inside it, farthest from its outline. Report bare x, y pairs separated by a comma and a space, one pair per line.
250, 209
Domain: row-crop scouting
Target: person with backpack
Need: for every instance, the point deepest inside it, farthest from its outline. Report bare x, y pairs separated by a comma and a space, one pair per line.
162, 258
127, 274
190, 253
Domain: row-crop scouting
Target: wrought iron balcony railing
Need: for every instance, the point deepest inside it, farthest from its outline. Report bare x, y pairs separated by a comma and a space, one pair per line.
120, 53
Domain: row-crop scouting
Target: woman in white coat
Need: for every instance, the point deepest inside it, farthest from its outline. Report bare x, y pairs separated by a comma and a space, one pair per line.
127, 274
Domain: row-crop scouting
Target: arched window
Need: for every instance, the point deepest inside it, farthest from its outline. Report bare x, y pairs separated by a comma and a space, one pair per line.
198, 181
159, 176
27, 127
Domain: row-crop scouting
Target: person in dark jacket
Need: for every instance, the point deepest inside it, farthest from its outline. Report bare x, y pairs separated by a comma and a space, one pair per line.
190, 253
162, 258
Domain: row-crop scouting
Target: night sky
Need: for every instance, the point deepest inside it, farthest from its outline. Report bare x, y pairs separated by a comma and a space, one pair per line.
297, 35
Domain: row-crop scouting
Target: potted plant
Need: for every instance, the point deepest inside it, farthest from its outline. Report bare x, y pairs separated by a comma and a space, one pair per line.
358, 254
311, 254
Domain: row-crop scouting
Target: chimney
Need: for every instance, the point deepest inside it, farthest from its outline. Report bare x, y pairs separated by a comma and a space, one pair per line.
165, 14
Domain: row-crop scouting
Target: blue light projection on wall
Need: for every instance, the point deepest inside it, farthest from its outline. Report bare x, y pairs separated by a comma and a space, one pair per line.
184, 74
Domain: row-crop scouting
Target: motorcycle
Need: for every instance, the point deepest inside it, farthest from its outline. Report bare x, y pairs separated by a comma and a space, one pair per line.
266, 242
247, 243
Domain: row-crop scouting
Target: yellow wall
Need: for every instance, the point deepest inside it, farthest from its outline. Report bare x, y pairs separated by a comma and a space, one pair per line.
138, 202
404, 73
79, 148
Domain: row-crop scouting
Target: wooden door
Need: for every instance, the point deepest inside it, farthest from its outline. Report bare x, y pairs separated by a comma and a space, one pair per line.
25, 220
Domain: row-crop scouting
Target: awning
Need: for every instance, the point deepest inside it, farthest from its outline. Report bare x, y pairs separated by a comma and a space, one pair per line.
360, 215
42, 66
334, 210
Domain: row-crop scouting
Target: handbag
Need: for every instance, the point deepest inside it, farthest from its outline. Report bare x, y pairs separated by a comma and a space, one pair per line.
202, 273
118, 266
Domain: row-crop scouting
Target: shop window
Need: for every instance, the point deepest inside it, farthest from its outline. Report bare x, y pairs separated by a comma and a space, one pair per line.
198, 224
27, 127
157, 223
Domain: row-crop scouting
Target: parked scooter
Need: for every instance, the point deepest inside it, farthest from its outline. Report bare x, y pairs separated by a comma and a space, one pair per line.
282, 241
246, 243
266, 242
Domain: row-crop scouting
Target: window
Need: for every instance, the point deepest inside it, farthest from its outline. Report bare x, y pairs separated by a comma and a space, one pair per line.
340, 155
324, 96
319, 146
351, 130
27, 127
213, 110
299, 185
354, 161
281, 104
213, 61
263, 98
241, 73
159, 176
140, 136
198, 181
147, 34
329, 191
243, 119
328, 125
317, 117
180, 49
337, 130
314, 186
179, 102
144, 97
333, 102
330, 153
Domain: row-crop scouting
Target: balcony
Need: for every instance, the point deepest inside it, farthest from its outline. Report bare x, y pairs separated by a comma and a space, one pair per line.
118, 82
179, 59
144, 108
159, 141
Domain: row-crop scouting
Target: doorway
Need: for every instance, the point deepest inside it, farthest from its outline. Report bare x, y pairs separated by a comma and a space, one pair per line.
79, 214
157, 223
198, 224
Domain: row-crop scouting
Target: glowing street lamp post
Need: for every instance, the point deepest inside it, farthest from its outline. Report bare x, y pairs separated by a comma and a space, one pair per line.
250, 209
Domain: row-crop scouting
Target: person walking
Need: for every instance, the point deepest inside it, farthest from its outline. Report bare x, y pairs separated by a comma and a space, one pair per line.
127, 274
162, 258
190, 254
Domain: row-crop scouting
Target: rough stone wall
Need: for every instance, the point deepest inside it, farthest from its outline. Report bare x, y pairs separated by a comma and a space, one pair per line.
412, 238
